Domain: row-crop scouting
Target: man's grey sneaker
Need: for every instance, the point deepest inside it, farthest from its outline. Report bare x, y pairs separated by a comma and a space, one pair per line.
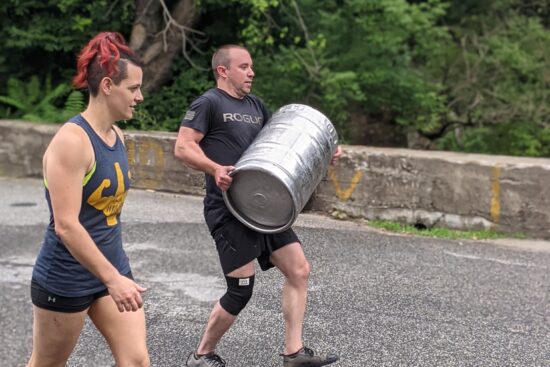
208, 360
306, 357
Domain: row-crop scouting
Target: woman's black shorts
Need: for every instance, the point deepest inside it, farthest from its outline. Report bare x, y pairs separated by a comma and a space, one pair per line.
238, 245
42, 298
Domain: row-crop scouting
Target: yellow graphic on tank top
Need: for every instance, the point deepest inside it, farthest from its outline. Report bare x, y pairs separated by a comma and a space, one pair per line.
111, 206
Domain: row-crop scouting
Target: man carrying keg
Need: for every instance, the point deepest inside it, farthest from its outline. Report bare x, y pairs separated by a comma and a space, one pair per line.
216, 130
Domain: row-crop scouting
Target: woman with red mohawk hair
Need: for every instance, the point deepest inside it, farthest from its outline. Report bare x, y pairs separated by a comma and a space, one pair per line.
82, 269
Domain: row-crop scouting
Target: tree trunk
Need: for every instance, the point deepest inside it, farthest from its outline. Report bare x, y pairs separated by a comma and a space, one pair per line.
156, 40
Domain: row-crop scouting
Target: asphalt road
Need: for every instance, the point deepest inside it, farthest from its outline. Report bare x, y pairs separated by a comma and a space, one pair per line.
375, 298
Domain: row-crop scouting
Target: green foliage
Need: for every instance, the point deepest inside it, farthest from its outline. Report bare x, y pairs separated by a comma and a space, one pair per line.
338, 90
434, 66
388, 43
61, 25
74, 104
518, 139
469, 75
368, 55
34, 101
441, 232
42, 37
496, 80
164, 109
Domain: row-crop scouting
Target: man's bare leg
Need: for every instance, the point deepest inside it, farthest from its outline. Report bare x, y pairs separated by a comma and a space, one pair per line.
291, 261
220, 320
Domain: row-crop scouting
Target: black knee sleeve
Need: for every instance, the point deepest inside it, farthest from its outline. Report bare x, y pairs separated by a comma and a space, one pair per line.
239, 291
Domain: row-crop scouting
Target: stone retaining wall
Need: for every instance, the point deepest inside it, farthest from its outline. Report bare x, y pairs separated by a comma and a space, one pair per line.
431, 188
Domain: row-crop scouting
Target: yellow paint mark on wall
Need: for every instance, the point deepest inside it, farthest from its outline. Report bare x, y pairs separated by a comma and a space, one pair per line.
131, 148
495, 193
146, 157
344, 194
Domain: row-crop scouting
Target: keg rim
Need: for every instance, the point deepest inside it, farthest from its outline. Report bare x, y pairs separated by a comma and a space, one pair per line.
247, 221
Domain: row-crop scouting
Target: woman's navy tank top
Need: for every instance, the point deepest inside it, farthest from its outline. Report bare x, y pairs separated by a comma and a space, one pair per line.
103, 193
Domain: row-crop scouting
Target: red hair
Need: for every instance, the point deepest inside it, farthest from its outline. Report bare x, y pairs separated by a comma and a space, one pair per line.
102, 57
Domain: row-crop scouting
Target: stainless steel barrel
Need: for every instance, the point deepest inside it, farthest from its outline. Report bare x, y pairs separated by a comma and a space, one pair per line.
276, 175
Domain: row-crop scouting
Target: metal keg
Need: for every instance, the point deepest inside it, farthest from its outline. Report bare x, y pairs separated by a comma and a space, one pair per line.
276, 175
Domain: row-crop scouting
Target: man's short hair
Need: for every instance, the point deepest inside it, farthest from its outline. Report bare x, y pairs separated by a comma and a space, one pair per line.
221, 57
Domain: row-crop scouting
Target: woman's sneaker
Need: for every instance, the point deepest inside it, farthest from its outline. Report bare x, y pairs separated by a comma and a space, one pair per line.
306, 357
207, 360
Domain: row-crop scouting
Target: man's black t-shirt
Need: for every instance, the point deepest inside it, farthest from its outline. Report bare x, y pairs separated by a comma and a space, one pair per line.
229, 126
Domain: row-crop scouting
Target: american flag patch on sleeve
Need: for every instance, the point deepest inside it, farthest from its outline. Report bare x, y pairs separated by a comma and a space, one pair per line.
189, 115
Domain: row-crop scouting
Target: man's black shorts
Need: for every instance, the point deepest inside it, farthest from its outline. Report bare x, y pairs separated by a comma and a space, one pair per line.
42, 298
238, 245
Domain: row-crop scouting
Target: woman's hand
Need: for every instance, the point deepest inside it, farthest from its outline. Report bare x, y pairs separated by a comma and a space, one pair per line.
126, 293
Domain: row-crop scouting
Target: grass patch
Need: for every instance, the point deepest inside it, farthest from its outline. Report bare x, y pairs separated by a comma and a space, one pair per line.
440, 232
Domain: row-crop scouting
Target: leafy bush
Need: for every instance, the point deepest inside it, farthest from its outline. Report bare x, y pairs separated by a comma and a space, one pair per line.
42, 37
468, 75
518, 139
34, 101
164, 109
